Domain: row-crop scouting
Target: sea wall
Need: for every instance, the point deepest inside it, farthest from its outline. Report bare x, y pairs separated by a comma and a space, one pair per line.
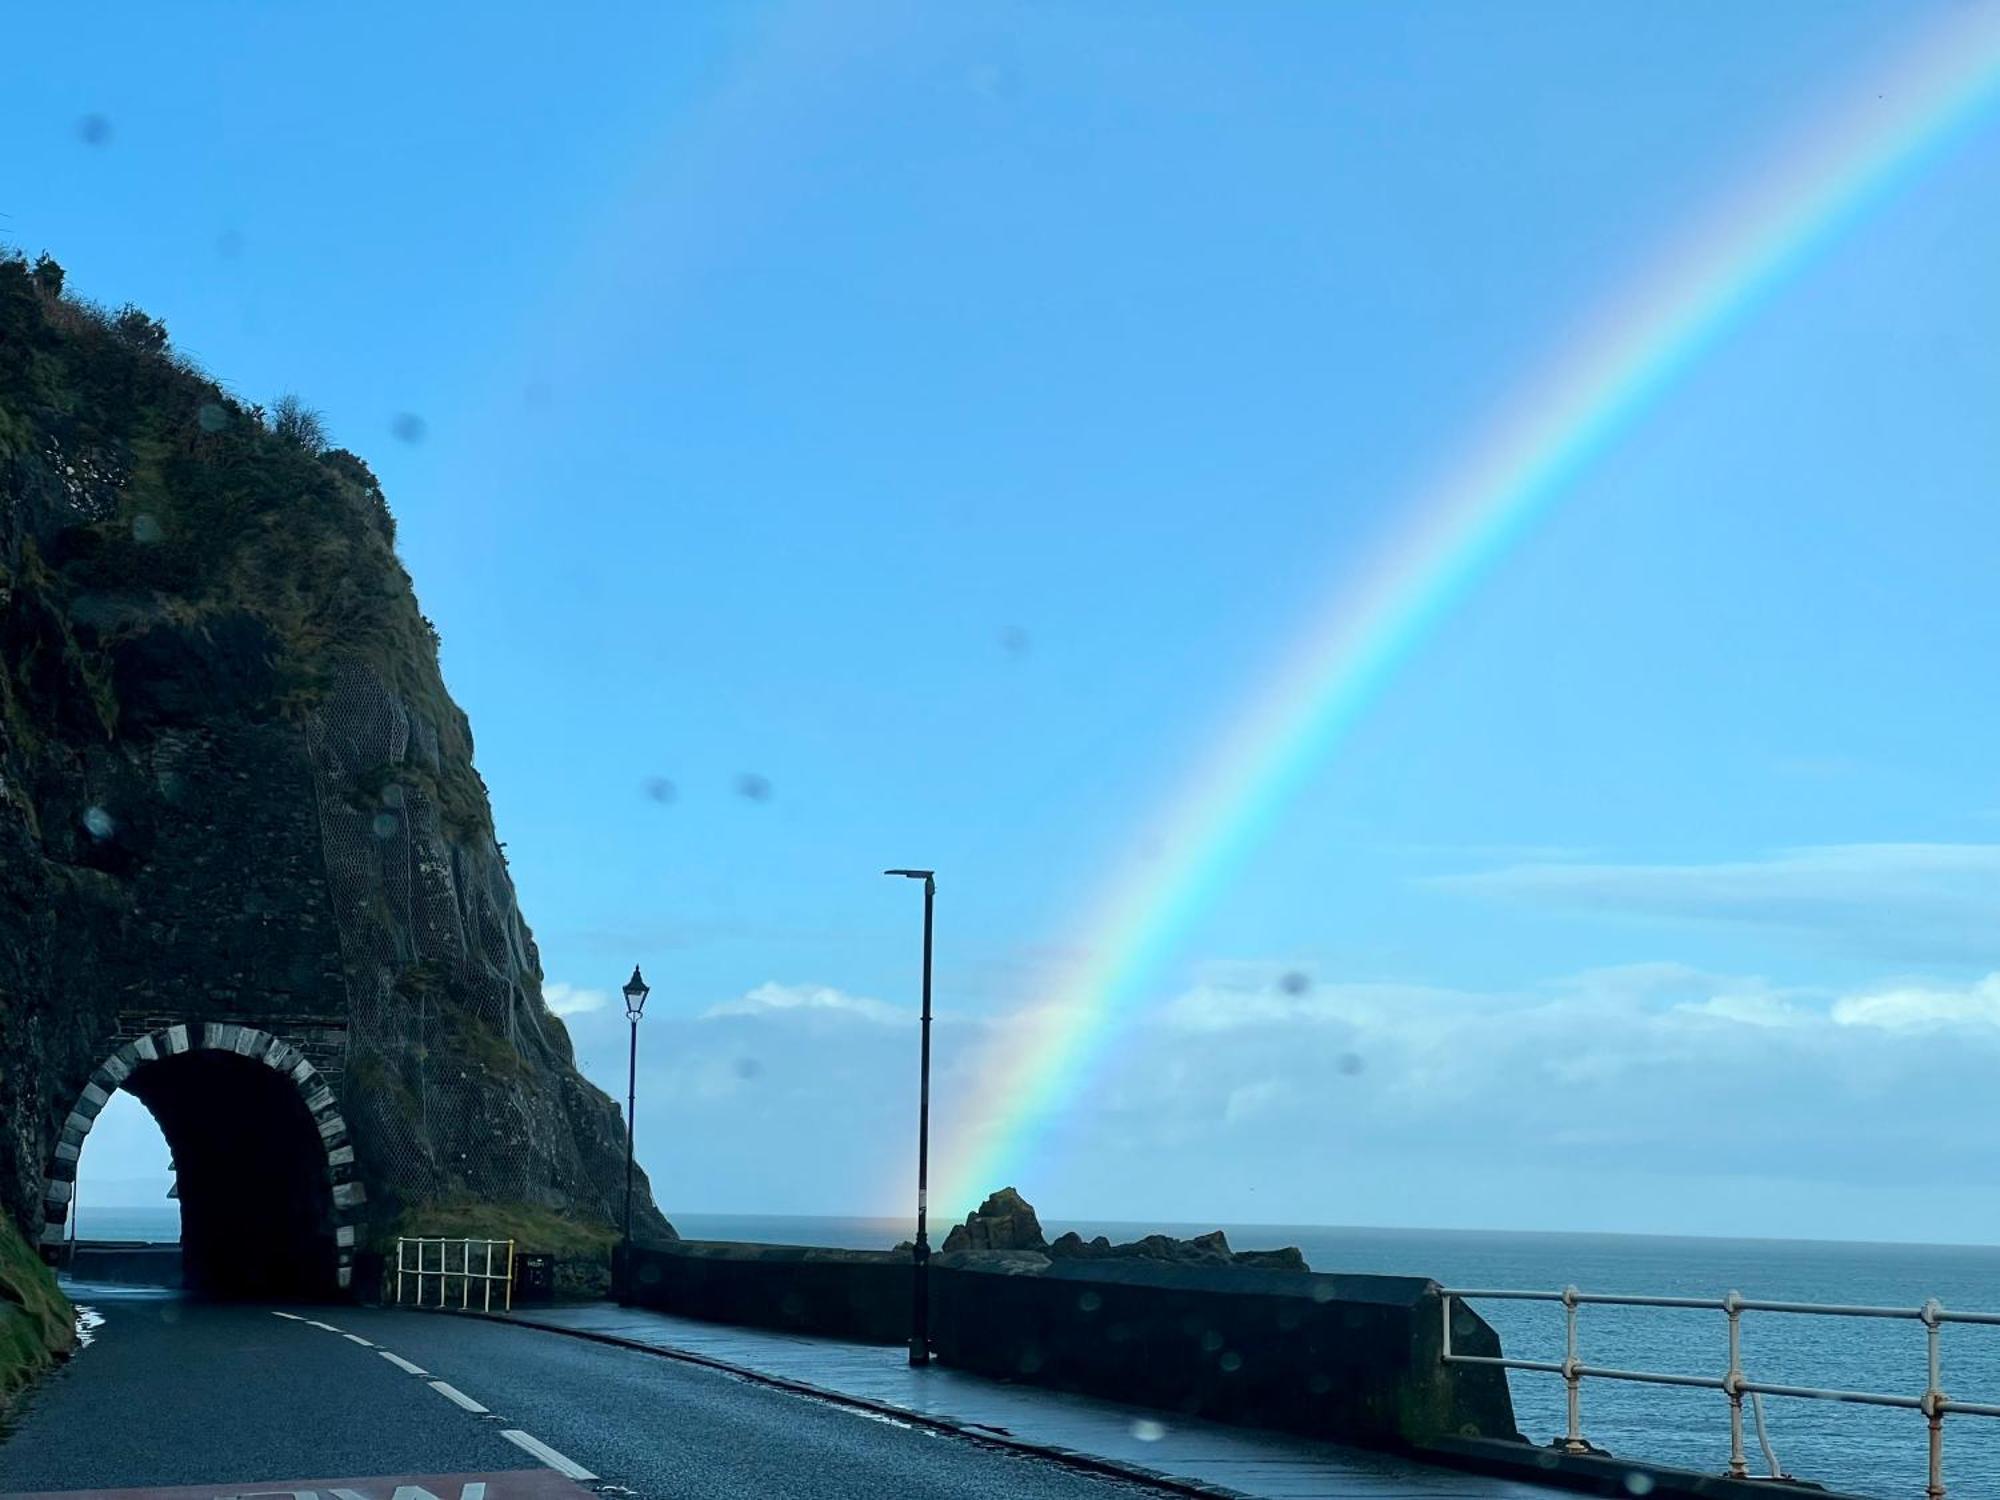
861, 1295
1348, 1357
124, 1264
1352, 1358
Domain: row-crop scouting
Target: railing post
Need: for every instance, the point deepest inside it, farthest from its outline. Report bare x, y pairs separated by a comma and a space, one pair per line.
1732, 1385
1444, 1303
1572, 1382
1934, 1398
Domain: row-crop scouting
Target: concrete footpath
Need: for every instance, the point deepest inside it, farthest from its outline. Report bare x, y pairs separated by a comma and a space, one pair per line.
1200, 1457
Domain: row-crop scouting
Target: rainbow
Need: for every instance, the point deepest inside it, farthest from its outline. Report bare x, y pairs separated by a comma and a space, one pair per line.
1455, 531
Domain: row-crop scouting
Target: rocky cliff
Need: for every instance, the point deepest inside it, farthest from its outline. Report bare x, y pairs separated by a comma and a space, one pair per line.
236, 797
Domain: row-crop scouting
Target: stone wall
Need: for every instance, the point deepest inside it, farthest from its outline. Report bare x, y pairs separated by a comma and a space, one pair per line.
861, 1295
1351, 1358
1355, 1358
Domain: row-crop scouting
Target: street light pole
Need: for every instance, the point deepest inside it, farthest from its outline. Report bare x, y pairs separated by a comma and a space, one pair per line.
635, 993
920, 1252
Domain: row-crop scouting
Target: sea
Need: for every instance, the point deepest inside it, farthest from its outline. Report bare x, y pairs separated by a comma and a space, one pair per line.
1859, 1449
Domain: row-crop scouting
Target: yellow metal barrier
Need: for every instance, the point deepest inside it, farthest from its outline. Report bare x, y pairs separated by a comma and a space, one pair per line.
413, 1272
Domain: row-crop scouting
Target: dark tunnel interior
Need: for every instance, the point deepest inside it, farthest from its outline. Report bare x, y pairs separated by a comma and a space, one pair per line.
256, 1202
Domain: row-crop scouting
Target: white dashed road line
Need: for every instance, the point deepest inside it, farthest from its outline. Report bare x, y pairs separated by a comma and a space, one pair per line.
569, 1468
453, 1393
526, 1442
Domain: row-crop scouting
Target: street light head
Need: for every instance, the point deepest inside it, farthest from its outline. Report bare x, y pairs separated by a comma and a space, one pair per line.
912, 874
636, 991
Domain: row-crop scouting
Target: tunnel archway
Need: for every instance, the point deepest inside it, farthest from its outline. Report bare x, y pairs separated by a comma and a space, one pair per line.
260, 1150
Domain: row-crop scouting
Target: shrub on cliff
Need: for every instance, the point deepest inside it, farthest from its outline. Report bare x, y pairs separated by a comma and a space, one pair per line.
298, 424
158, 485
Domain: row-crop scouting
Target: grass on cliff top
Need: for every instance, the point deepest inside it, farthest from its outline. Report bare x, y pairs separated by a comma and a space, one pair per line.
206, 507
533, 1230
36, 1320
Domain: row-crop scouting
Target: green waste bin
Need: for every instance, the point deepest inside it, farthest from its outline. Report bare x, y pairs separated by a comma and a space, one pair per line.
534, 1278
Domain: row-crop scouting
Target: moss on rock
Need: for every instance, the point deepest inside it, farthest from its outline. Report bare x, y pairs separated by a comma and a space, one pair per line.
37, 1324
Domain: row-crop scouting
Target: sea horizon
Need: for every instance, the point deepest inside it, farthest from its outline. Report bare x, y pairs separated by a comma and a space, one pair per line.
1133, 1228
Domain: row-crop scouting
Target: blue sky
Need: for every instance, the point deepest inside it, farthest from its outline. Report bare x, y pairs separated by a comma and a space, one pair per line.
950, 416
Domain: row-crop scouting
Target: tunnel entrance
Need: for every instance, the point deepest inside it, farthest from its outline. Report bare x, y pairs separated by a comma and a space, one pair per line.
260, 1155
256, 1210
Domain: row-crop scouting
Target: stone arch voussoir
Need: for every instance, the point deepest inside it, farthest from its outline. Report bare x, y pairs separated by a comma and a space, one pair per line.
59, 1184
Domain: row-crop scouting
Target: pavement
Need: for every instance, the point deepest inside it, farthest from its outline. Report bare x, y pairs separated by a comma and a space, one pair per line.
1188, 1455
208, 1400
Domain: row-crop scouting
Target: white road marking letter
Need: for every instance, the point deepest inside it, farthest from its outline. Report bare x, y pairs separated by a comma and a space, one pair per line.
453, 1393
568, 1467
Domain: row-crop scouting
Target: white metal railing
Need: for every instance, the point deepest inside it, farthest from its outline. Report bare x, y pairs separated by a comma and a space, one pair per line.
463, 1273
1733, 1383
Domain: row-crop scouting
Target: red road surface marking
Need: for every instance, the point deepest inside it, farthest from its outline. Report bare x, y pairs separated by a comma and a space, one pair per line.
514, 1484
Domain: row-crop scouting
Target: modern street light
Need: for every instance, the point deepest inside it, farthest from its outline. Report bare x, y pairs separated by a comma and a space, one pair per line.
920, 1252
636, 991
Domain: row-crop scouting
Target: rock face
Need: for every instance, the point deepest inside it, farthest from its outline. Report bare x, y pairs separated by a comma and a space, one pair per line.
1006, 1222
247, 869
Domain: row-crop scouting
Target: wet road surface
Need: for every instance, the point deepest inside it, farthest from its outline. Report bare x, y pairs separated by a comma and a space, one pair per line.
231, 1397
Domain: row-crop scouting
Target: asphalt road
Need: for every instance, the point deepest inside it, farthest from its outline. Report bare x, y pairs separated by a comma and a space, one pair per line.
171, 1392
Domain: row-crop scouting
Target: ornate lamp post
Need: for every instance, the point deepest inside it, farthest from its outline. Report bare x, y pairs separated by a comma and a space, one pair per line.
636, 991
920, 1252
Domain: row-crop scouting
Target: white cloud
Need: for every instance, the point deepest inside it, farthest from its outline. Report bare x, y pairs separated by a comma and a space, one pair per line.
1640, 1066
775, 999
1923, 1008
570, 1000
1916, 902
1644, 1096
1252, 1099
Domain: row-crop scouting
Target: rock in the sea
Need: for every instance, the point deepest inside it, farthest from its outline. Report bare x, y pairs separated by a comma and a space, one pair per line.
1289, 1258
1072, 1246
1005, 1221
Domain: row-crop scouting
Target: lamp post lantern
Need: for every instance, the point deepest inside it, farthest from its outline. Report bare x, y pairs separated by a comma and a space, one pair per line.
920, 1252
636, 991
